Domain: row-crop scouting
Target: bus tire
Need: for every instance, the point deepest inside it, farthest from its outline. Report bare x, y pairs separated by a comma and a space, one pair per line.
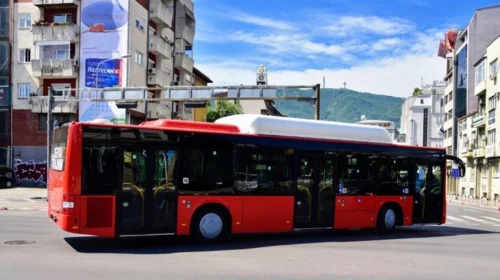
387, 218
211, 225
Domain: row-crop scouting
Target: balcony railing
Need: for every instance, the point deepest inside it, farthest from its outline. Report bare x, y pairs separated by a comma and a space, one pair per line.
155, 110
159, 46
480, 88
159, 77
184, 62
54, 67
54, 2
490, 151
188, 34
66, 32
40, 104
479, 152
189, 5
479, 120
160, 13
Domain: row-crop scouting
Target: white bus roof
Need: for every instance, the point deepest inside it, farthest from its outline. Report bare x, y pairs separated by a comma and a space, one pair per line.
293, 127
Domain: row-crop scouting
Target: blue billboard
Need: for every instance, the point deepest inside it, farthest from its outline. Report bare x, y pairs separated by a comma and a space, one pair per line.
102, 73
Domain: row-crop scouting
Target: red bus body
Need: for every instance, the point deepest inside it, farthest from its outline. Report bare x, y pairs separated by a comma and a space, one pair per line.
96, 214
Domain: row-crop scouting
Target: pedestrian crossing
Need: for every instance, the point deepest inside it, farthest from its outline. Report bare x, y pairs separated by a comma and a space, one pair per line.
469, 220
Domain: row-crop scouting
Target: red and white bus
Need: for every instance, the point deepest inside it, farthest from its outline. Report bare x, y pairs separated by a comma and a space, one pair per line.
242, 174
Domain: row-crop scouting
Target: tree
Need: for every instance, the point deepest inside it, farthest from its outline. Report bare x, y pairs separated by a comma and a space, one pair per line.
223, 108
417, 91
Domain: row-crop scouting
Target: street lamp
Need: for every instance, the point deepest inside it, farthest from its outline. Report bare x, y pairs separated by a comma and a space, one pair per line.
97, 76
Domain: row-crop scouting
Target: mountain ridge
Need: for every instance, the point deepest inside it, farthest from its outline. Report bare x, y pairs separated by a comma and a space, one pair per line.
344, 105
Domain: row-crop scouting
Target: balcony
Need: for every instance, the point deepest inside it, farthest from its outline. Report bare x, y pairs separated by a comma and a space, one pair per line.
490, 151
159, 77
189, 5
183, 61
188, 35
159, 46
156, 109
480, 88
479, 152
40, 104
42, 3
54, 68
160, 13
64, 32
479, 120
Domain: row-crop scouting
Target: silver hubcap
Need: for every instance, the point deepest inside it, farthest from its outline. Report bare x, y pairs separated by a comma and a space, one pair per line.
390, 218
210, 225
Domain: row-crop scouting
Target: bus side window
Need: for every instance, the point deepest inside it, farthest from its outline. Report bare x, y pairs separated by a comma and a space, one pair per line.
355, 177
100, 166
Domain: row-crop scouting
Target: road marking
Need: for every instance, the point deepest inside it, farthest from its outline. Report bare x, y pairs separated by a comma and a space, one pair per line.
490, 218
471, 210
474, 219
454, 219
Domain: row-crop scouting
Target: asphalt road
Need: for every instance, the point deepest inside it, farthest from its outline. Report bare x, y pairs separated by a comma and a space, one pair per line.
467, 248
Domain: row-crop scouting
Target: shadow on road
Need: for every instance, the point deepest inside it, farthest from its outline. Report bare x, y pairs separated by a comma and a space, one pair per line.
173, 244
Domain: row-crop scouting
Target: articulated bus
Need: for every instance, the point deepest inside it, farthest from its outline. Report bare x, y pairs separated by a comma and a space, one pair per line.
241, 174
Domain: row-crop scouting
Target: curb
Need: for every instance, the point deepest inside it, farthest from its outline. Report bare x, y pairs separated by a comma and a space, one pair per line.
475, 205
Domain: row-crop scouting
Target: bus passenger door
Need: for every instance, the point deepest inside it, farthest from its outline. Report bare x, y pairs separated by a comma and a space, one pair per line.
146, 201
164, 190
130, 197
314, 195
428, 193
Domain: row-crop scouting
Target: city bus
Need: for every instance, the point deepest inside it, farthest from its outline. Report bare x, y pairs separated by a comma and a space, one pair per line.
242, 174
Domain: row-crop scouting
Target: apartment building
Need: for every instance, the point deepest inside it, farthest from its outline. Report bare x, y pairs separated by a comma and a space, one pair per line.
5, 141
388, 125
91, 44
422, 117
461, 55
478, 142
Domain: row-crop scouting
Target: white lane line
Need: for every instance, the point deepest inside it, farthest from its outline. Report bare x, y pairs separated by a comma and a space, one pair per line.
490, 218
454, 219
476, 219
471, 210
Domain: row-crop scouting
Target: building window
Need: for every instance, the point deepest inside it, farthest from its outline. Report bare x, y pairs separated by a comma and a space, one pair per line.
4, 127
494, 67
25, 55
23, 91
61, 54
139, 57
42, 122
492, 103
480, 73
140, 22
63, 18
492, 136
25, 20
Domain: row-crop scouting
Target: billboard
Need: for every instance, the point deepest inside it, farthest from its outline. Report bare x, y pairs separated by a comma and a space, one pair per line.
103, 43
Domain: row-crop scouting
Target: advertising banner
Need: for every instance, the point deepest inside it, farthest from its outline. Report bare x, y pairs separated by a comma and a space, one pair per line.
103, 43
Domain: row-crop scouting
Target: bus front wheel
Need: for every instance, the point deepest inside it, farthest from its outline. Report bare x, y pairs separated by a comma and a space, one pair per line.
210, 225
387, 218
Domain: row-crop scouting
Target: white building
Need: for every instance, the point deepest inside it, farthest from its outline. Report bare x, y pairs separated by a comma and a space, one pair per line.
388, 125
422, 117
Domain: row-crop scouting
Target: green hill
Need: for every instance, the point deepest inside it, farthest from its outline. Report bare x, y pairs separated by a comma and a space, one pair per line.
344, 105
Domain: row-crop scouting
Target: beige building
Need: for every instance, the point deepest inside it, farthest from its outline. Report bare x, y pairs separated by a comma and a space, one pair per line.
479, 142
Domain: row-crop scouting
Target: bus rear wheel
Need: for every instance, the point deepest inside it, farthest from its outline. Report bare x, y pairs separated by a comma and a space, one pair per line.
387, 218
211, 225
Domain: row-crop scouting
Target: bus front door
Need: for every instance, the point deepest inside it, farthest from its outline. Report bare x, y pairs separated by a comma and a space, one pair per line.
146, 202
314, 197
428, 194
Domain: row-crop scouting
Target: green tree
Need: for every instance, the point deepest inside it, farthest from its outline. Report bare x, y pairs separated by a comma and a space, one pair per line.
223, 108
417, 91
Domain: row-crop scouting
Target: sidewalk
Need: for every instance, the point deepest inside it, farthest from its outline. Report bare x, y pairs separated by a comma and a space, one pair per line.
464, 200
23, 198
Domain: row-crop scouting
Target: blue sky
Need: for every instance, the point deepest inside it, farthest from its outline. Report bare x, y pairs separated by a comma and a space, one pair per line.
379, 46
